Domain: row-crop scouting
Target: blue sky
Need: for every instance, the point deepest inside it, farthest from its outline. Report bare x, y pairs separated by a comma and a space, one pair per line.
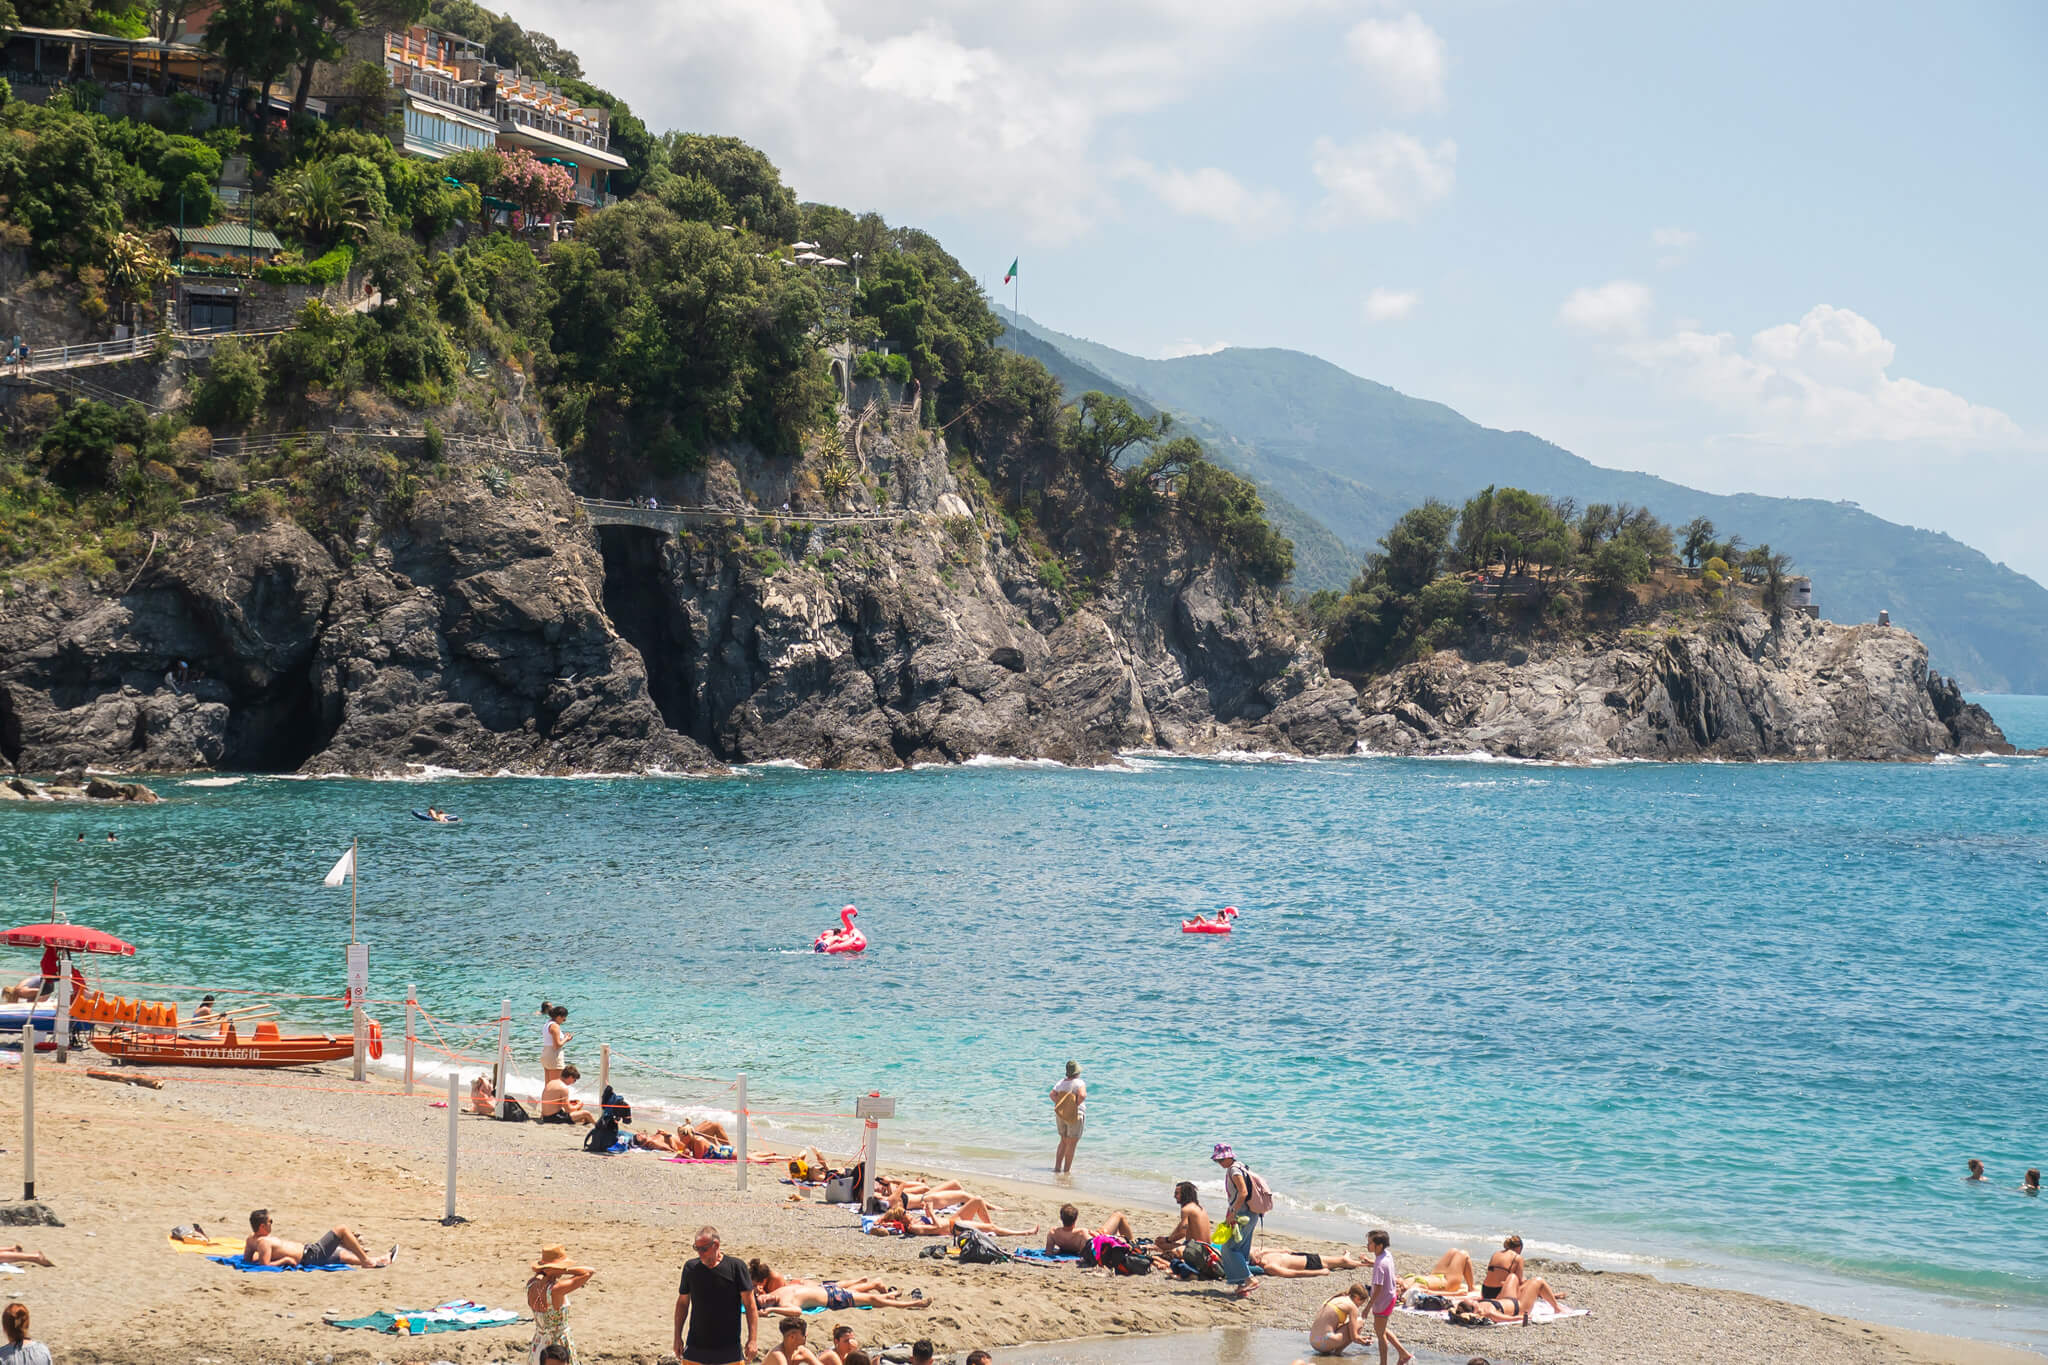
1783, 248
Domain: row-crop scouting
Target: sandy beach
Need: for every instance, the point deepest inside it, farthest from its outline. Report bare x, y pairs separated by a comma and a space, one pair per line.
121, 1165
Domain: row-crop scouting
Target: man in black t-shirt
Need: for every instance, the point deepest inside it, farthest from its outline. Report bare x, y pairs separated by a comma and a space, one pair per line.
715, 1291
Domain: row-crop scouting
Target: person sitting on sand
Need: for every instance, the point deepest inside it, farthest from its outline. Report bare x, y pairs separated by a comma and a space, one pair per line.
483, 1099
1503, 1268
1288, 1264
972, 1214
340, 1245
1337, 1323
979, 1357
1452, 1274
794, 1349
1070, 1239
795, 1297
1194, 1225
555, 1104
20, 1350
844, 1346
1512, 1304
21, 1255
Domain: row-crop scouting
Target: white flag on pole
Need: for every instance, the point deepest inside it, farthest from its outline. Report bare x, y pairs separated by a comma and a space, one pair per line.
342, 870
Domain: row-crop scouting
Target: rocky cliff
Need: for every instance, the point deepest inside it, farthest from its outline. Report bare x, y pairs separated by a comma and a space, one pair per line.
1690, 686
480, 622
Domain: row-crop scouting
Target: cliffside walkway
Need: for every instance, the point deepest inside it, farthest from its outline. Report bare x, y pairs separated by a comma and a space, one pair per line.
608, 512
44, 359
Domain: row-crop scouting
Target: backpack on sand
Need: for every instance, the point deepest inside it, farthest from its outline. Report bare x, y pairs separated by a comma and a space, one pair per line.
615, 1106
515, 1112
602, 1135
978, 1248
1199, 1261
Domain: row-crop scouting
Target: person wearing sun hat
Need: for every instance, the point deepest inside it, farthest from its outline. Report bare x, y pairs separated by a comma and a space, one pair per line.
1237, 1215
555, 1278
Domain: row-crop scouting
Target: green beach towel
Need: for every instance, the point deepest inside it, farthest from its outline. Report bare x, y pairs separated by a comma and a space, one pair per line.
460, 1315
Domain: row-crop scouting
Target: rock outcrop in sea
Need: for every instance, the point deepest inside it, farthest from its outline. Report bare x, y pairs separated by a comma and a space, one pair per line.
1703, 685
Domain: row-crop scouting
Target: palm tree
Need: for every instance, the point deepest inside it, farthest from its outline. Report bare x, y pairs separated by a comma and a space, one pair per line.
326, 200
136, 270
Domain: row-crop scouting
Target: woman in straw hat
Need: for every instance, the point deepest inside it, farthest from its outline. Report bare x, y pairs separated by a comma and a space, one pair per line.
547, 1294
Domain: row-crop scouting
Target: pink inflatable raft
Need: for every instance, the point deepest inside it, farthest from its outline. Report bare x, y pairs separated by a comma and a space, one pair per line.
845, 939
1202, 924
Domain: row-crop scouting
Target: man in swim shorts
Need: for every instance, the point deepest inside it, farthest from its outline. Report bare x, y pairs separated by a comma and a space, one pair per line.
339, 1245
796, 1296
1071, 1239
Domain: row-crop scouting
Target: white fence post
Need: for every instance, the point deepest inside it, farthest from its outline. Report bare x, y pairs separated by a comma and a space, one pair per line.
454, 1115
739, 1146
869, 1156
60, 1027
411, 1002
28, 1109
604, 1069
504, 1054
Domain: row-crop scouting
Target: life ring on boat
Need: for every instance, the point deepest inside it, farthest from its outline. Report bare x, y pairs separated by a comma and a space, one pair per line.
376, 1042
845, 939
1202, 924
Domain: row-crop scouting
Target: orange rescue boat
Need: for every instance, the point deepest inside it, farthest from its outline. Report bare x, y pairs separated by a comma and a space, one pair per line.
266, 1047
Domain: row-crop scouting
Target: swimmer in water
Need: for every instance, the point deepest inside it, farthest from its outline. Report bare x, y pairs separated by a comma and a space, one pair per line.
1976, 1170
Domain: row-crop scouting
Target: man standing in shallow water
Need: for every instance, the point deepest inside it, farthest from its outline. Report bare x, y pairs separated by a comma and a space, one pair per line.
1070, 1112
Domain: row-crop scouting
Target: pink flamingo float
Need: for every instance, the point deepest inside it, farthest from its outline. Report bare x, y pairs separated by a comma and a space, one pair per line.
1202, 924
845, 939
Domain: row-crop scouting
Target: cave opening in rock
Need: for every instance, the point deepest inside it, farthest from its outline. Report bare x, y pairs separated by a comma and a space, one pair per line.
278, 728
10, 731
645, 612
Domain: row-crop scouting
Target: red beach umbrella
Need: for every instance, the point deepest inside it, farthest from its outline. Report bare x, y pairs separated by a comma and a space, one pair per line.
70, 938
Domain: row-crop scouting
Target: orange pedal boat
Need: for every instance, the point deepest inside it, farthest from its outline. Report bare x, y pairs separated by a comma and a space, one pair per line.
266, 1047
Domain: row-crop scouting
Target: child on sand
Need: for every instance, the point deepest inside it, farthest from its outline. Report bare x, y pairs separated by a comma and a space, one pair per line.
1386, 1292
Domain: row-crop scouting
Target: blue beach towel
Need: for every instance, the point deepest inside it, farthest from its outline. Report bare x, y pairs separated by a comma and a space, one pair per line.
460, 1315
1038, 1257
243, 1263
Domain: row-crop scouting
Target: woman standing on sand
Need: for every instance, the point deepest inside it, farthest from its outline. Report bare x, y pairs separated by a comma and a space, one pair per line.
547, 1294
553, 1040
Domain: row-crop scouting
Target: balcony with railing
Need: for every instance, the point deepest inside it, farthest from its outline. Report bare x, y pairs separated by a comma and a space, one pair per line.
433, 85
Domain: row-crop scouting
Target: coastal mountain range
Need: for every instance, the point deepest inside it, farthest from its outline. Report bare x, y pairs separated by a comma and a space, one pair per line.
1312, 435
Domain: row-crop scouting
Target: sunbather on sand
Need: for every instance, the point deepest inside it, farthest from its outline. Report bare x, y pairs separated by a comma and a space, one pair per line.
262, 1248
1452, 1274
1512, 1304
1503, 1268
1287, 1264
19, 1255
767, 1279
1194, 1225
889, 1188
792, 1298
972, 1214
704, 1139
1071, 1239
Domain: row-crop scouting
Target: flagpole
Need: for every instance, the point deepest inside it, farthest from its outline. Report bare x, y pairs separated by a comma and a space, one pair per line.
355, 874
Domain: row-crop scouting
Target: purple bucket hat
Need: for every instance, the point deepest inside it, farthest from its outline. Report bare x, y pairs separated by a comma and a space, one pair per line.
1223, 1153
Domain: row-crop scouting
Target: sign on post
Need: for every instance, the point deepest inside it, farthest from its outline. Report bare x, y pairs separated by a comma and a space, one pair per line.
358, 974
872, 1107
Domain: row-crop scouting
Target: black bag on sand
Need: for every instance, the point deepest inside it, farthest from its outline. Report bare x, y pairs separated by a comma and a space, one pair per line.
602, 1135
1199, 1261
978, 1248
515, 1112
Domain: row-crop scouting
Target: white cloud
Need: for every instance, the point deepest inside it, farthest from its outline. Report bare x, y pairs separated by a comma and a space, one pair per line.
1676, 243
1216, 195
1179, 349
1405, 59
1822, 380
1382, 177
920, 109
1391, 305
1619, 306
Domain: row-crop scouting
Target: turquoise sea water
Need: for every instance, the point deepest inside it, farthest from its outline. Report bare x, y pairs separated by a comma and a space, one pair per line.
1741, 1024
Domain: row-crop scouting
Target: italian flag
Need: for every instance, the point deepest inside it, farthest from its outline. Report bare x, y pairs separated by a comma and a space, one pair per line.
1012, 272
